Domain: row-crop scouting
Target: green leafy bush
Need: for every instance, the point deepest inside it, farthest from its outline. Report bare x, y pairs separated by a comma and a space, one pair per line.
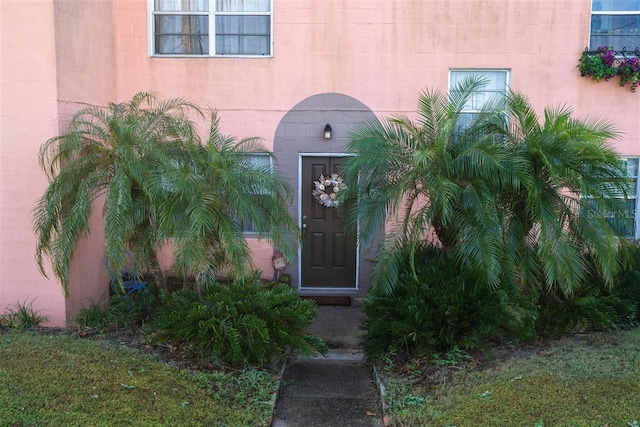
627, 285
237, 324
21, 316
595, 305
94, 316
123, 311
136, 309
589, 308
443, 306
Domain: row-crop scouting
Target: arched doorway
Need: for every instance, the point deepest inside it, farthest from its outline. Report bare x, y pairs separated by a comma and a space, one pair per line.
330, 261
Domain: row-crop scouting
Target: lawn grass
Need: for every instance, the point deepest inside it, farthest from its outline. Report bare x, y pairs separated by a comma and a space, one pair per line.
58, 380
587, 380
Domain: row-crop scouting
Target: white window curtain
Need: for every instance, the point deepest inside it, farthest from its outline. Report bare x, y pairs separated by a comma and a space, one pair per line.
182, 5
496, 86
243, 34
243, 5
182, 27
243, 27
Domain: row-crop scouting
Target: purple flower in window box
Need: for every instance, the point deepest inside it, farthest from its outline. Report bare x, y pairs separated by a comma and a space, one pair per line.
604, 63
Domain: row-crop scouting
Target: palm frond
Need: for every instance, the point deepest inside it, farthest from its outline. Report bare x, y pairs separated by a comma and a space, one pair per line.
501, 188
106, 151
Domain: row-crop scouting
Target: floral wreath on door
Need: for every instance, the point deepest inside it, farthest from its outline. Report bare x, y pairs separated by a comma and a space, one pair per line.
327, 189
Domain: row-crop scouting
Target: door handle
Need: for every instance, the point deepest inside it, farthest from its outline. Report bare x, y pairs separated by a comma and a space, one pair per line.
304, 229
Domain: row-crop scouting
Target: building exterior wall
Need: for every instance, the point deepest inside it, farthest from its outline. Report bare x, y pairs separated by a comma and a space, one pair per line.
28, 117
381, 53
85, 39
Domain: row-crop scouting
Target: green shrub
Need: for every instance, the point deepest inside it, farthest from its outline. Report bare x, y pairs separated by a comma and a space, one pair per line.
123, 311
4, 321
595, 305
627, 285
447, 306
237, 324
21, 316
589, 308
94, 316
136, 309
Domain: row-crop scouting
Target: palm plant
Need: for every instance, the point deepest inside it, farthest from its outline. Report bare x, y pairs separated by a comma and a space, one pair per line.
439, 173
203, 202
161, 184
503, 195
107, 152
565, 164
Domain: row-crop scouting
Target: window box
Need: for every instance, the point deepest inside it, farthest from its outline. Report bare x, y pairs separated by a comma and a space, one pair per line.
604, 63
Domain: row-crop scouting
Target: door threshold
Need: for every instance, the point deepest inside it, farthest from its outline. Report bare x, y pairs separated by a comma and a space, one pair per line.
329, 300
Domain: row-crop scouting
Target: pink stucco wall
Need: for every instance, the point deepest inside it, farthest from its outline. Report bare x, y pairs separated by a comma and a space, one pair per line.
29, 117
87, 74
59, 55
381, 52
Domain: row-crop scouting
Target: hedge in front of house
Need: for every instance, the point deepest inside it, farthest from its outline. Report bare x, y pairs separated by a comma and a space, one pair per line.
442, 306
236, 324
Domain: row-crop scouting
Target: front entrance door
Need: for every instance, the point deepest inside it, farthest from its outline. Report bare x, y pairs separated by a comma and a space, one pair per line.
328, 258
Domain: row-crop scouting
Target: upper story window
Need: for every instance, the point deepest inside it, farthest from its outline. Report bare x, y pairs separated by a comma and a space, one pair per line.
211, 28
615, 23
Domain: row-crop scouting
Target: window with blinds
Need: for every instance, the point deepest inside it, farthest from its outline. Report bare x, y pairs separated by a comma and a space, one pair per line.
211, 28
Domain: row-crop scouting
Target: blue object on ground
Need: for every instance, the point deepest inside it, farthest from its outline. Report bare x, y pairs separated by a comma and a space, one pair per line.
130, 282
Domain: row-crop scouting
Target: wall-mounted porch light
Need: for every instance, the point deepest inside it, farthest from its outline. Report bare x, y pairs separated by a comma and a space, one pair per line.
327, 131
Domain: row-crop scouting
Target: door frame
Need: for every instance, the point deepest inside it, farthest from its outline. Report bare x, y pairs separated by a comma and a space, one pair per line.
321, 290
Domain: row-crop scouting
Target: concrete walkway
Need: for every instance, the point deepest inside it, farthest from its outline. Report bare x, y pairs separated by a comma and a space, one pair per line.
334, 391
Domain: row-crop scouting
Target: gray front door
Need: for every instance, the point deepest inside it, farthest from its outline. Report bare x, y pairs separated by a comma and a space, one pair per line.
328, 258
